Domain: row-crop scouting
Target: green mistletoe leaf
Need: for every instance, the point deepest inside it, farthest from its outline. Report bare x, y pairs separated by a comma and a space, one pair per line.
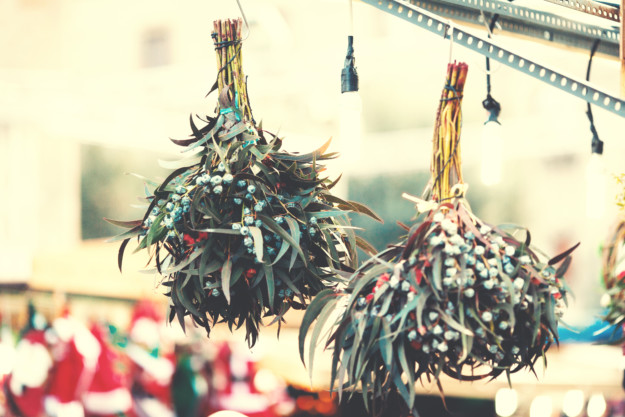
226, 270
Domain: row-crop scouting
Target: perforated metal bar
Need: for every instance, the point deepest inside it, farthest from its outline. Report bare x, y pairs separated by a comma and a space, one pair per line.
541, 19
487, 47
523, 21
591, 7
622, 50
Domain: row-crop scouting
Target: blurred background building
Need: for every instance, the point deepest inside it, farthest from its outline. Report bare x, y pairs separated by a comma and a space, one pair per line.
92, 90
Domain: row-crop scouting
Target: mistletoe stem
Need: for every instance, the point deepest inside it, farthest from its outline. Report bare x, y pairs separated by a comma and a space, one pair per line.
231, 81
446, 166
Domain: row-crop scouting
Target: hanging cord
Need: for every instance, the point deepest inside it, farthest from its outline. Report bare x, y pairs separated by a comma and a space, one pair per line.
349, 75
449, 29
490, 27
350, 16
490, 104
596, 145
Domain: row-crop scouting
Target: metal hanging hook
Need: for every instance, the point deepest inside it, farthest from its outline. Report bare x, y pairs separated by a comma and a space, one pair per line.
247, 26
449, 31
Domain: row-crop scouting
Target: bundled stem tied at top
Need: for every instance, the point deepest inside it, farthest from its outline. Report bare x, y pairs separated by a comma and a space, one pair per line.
456, 296
446, 160
613, 275
230, 79
241, 229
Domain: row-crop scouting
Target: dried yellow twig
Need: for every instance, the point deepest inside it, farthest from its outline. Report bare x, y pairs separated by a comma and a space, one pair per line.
446, 164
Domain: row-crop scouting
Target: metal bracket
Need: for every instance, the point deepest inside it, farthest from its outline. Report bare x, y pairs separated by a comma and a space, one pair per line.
519, 20
541, 19
489, 48
591, 7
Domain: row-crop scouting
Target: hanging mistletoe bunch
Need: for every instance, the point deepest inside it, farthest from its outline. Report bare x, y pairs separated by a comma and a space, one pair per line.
456, 295
247, 230
613, 274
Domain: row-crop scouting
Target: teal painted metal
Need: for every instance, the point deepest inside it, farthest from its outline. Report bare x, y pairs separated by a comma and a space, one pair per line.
487, 47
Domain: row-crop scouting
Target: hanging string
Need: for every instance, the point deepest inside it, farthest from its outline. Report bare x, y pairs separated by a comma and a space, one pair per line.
349, 74
489, 103
450, 29
490, 27
597, 144
350, 17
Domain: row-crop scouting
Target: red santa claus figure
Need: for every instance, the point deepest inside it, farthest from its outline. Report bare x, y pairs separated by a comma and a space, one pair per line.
108, 394
151, 371
235, 387
26, 385
75, 353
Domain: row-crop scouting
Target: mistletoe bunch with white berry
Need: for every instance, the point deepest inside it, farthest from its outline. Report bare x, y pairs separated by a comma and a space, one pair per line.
246, 230
457, 296
613, 275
